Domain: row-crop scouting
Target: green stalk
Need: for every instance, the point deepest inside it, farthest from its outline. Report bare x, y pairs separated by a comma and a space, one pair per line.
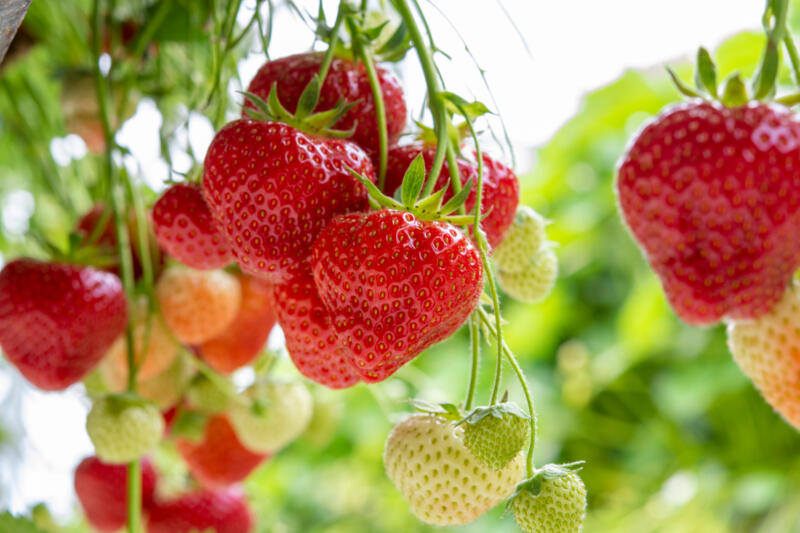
525, 389
791, 49
435, 101
126, 260
329, 53
380, 112
474, 340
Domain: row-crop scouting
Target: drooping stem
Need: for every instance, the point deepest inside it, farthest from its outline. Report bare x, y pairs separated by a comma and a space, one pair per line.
794, 57
474, 340
380, 113
123, 248
435, 102
523, 383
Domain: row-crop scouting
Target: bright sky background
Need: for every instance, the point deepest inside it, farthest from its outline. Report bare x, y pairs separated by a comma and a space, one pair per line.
575, 47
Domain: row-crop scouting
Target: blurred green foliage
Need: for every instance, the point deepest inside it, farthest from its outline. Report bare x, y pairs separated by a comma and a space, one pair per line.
675, 439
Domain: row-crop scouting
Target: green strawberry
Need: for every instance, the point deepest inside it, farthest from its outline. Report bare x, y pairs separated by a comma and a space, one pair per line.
210, 396
496, 434
123, 428
280, 412
552, 501
443, 483
524, 239
534, 283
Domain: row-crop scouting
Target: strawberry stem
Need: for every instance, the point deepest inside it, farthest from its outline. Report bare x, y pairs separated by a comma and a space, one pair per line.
791, 49
474, 340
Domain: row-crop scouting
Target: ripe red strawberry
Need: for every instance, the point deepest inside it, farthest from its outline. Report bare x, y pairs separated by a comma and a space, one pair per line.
345, 81
242, 340
712, 195
395, 285
273, 188
311, 339
219, 459
211, 511
102, 490
57, 320
185, 228
500, 186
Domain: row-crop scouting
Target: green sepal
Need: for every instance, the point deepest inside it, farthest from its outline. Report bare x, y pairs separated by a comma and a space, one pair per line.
706, 73
458, 199
497, 411
533, 485
433, 203
314, 123
469, 110
309, 98
764, 81
413, 181
375, 193
682, 87
17, 524
789, 100
445, 410
734, 92
397, 46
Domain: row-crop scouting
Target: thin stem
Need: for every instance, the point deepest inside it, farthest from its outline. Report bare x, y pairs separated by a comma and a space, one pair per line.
791, 48
435, 101
380, 113
474, 339
523, 383
328, 58
134, 495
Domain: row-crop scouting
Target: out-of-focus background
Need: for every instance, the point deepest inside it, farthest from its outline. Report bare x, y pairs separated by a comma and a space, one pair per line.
674, 437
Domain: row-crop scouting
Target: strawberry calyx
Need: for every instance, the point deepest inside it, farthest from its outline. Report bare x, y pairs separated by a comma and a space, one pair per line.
445, 410
303, 119
425, 208
533, 485
499, 410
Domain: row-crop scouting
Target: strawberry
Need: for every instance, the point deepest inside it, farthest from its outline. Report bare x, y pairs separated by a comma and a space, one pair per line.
500, 186
279, 414
311, 340
534, 283
273, 188
210, 395
197, 305
768, 351
212, 511
443, 483
524, 239
102, 490
395, 285
185, 228
712, 196
154, 349
345, 81
219, 459
57, 320
242, 340
553, 501
496, 434
123, 429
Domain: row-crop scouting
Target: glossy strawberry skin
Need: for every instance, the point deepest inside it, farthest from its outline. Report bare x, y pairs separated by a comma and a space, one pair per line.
345, 81
58, 320
242, 341
219, 459
272, 189
395, 285
311, 339
102, 490
221, 511
712, 195
500, 185
185, 228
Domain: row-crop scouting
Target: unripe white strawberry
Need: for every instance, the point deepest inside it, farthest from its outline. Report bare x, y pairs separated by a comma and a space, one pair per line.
443, 483
553, 501
496, 434
535, 282
768, 351
123, 428
523, 240
280, 412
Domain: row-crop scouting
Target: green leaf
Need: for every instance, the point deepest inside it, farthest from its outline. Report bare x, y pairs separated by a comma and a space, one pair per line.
397, 46
469, 110
309, 99
706, 74
459, 199
413, 181
17, 524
